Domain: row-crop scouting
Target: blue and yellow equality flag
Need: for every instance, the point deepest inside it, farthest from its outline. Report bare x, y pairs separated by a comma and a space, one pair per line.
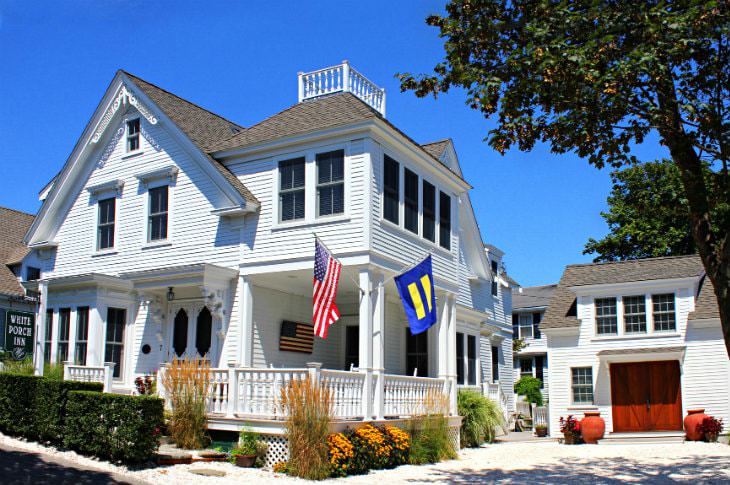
415, 287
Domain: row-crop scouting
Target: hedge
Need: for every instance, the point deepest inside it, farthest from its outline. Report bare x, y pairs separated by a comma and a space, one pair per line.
112, 426
34, 407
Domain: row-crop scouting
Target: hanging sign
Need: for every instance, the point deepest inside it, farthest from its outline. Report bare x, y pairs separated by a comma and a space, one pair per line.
19, 327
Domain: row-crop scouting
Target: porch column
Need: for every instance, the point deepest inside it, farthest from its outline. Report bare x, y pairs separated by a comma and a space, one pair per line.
95, 351
366, 341
378, 344
451, 353
245, 305
40, 328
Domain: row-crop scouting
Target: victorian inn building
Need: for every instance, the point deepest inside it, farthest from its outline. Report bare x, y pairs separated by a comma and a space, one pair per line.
171, 231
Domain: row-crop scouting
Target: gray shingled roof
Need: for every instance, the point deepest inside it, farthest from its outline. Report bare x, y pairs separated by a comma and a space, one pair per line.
436, 148
561, 311
204, 128
13, 226
706, 303
533, 297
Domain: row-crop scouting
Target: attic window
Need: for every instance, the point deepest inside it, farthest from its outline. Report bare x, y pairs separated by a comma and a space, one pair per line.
133, 135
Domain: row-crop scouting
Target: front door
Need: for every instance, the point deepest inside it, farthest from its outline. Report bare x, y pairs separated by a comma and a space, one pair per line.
192, 332
646, 396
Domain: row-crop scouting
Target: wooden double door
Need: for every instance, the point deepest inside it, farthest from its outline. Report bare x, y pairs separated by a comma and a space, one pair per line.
646, 396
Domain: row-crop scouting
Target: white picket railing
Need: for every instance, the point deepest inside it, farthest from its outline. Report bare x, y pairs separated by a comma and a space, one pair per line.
259, 390
346, 389
89, 373
540, 416
495, 393
341, 78
410, 396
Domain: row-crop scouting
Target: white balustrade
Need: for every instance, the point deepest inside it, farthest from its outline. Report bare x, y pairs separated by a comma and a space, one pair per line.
341, 78
89, 373
411, 396
346, 389
540, 416
259, 390
218, 394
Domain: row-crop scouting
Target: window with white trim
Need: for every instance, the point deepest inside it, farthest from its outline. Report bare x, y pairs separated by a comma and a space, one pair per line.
82, 335
330, 183
526, 327
48, 337
391, 190
291, 189
526, 367
105, 224
634, 314
133, 135
665, 319
157, 218
459, 358
445, 221
582, 385
116, 320
471, 360
606, 318
410, 201
64, 327
495, 363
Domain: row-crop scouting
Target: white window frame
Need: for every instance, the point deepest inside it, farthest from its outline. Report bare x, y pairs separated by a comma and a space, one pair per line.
654, 312
128, 136
527, 316
281, 192
617, 303
624, 323
593, 386
99, 192
317, 186
150, 180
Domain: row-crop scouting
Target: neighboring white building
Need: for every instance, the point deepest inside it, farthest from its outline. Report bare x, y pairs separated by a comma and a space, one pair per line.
172, 231
528, 308
640, 341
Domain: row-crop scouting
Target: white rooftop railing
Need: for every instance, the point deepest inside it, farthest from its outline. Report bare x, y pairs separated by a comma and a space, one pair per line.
341, 78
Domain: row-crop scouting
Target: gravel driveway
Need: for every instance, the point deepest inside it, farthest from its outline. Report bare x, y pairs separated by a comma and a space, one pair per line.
509, 463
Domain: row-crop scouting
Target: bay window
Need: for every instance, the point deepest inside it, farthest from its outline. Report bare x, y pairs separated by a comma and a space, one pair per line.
391, 190
330, 183
445, 221
410, 201
429, 211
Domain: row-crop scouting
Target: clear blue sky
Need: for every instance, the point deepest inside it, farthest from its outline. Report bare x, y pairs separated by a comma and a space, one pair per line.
240, 60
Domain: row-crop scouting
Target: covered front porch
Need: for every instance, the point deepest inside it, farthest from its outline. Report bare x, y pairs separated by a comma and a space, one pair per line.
371, 364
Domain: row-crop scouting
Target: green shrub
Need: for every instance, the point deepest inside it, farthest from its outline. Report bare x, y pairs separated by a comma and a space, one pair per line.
112, 426
430, 441
481, 418
530, 388
53, 371
50, 406
17, 403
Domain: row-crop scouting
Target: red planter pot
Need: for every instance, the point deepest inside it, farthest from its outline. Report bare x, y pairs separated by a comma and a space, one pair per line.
592, 427
691, 422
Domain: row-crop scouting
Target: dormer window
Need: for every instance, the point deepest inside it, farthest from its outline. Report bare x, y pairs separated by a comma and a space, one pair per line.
635, 314
133, 135
664, 316
606, 320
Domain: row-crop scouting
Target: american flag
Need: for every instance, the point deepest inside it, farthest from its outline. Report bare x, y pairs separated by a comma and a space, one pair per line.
326, 278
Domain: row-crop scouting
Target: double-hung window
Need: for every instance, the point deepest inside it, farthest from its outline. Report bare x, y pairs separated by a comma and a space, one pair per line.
48, 337
471, 360
536, 318
606, 319
391, 189
526, 325
417, 353
82, 334
582, 385
410, 201
291, 189
635, 314
445, 221
157, 218
64, 326
133, 135
116, 319
526, 367
330, 183
459, 358
429, 211
495, 363
664, 316
105, 226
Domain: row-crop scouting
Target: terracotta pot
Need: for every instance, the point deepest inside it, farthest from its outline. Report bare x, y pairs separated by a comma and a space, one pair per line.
691, 422
711, 437
541, 432
245, 461
592, 427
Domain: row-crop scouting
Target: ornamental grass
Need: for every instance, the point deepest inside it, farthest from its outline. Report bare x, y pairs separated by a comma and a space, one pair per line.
308, 407
480, 418
186, 383
430, 440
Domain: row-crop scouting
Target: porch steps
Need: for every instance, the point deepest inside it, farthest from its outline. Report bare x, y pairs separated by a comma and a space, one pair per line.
659, 437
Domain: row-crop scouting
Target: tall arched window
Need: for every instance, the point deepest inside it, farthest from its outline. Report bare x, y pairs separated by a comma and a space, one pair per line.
203, 332
180, 333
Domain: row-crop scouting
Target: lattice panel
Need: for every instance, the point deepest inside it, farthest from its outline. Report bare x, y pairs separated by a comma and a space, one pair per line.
278, 449
454, 435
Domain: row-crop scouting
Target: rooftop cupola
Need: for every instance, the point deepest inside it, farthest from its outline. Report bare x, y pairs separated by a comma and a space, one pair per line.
341, 78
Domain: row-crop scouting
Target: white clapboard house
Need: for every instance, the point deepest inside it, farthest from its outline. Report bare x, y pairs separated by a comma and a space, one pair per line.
173, 231
640, 342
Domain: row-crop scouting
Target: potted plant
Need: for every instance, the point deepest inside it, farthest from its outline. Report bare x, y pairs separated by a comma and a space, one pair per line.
570, 427
710, 428
541, 431
247, 450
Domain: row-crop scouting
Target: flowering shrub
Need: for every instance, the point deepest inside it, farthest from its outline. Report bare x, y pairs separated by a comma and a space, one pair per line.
145, 385
570, 427
369, 447
280, 467
710, 425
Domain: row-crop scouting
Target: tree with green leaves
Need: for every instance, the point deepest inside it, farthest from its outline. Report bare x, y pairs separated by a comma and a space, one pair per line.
648, 214
596, 77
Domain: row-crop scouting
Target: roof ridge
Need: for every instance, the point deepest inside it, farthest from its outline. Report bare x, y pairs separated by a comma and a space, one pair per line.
438, 141
18, 211
624, 261
182, 99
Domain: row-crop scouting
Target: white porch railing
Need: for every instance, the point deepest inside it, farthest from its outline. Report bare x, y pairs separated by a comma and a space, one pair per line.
410, 396
540, 416
259, 391
341, 78
346, 389
495, 393
89, 373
